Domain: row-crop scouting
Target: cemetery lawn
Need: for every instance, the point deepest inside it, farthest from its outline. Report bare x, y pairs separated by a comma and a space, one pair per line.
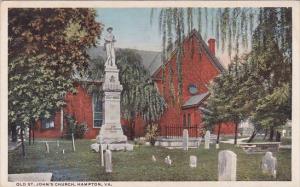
85, 165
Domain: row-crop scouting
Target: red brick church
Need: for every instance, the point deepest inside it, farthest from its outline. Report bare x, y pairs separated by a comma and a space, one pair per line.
199, 67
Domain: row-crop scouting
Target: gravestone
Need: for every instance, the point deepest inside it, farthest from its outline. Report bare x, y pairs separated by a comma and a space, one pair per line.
95, 147
153, 158
217, 146
193, 161
73, 143
47, 147
57, 143
111, 131
269, 164
63, 151
101, 154
185, 141
207, 139
108, 161
168, 160
226, 166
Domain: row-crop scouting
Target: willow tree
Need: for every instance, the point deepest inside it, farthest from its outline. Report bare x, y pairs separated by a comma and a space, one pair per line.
139, 97
259, 85
232, 27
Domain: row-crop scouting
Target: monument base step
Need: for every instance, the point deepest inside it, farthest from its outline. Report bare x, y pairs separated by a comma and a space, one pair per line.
113, 147
177, 142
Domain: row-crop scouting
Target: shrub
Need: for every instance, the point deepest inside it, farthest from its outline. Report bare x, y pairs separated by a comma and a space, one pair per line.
78, 129
152, 132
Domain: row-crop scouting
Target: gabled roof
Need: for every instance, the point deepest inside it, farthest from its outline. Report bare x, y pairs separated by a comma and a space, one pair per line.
205, 48
195, 100
151, 60
213, 58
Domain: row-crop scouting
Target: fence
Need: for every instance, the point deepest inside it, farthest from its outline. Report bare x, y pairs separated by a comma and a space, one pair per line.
175, 130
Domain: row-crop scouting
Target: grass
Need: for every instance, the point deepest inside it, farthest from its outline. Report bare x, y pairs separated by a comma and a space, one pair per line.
284, 141
137, 165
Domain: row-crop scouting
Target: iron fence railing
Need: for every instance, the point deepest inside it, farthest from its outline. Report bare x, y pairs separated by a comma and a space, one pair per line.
176, 130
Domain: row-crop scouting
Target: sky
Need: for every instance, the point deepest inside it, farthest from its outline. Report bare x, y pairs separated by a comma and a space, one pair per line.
131, 28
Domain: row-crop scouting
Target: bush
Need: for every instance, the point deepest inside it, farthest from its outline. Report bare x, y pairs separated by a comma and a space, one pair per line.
152, 132
73, 127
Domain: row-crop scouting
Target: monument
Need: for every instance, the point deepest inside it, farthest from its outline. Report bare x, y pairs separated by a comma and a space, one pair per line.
111, 133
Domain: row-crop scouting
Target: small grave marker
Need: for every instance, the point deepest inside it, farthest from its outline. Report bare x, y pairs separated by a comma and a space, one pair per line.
269, 164
227, 166
185, 141
207, 139
193, 161
108, 161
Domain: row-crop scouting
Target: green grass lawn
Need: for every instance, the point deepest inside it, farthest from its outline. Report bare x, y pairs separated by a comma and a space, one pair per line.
137, 165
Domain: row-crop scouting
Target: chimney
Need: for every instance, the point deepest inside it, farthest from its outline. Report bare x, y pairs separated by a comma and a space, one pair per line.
212, 45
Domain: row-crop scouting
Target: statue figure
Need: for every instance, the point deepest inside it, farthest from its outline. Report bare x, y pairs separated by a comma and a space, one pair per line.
109, 47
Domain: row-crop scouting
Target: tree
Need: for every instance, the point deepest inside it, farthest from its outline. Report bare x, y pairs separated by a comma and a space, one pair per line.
45, 48
139, 97
260, 83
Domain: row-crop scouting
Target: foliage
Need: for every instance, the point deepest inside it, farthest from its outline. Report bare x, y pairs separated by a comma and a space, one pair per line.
232, 27
45, 47
152, 133
139, 96
75, 128
258, 86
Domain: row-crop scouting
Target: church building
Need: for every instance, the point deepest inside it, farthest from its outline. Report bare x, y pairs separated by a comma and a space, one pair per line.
199, 68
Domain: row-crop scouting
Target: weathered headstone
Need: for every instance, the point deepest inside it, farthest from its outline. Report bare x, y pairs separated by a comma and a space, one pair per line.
168, 160
95, 147
63, 151
185, 141
101, 153
108, 161
207, 139
153, 158
73, 142
217, 146
47, 147
269, 164
227, 166
193, 161
57, 143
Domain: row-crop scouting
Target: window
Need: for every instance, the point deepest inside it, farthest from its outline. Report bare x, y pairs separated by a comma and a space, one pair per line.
97, 111
47, 123
184, 120
193, 89
189, 120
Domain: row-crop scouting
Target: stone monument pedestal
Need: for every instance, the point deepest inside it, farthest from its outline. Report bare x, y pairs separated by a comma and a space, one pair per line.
111, 133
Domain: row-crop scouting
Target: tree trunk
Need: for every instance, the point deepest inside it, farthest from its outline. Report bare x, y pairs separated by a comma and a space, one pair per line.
236, 133
218, 137
14, 134
33, 134
266, 134
271, 134
278, 136
29, 138
22, 140
132, 126
252, 136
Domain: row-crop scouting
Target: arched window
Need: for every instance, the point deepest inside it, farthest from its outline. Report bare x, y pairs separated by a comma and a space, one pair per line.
189, 120
184, 120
